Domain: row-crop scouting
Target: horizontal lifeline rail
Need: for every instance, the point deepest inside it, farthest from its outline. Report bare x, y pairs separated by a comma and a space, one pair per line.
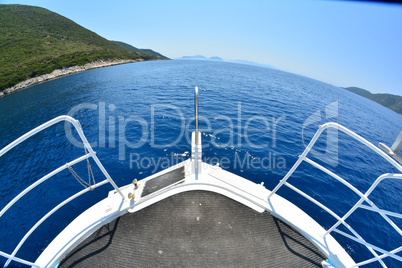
363, 197
91, 153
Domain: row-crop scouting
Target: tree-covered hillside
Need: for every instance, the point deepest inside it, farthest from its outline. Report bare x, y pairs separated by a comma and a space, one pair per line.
149, 52
393, 102
36, 41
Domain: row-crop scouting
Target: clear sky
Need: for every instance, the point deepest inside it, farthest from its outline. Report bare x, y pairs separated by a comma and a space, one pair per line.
338, 42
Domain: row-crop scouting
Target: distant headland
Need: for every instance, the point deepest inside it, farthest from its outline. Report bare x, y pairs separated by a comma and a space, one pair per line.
216, 58
393, 102
35, 42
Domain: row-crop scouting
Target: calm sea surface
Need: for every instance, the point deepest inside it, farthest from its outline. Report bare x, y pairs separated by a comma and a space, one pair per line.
138, 117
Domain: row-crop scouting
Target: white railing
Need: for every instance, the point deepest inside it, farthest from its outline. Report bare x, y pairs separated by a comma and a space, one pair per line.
91, 153
363, 196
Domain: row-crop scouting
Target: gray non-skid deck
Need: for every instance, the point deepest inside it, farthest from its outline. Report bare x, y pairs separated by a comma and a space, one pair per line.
195, 229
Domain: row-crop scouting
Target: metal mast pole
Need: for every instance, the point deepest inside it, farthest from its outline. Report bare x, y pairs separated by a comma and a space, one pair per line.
196, 132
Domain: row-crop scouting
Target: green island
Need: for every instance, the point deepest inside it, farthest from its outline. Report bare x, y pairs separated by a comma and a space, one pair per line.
393, 102
35, 41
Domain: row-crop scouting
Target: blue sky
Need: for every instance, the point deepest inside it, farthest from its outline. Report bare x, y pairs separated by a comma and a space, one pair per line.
338, 42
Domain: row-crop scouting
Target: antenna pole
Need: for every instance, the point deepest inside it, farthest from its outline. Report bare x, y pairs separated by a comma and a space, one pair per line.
196, 133
196, 115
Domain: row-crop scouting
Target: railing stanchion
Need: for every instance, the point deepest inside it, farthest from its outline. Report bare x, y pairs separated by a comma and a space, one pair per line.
90, 153
363, 197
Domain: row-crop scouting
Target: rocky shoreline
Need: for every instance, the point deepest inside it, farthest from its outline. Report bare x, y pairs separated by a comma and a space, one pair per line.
63, 72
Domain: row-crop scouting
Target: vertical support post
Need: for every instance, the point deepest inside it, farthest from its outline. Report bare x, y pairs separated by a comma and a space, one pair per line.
196, 114
196, 132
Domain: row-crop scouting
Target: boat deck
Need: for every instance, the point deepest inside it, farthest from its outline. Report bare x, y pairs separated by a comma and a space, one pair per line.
195, 229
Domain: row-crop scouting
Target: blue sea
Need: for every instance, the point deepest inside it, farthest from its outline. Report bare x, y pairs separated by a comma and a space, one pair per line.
138, 117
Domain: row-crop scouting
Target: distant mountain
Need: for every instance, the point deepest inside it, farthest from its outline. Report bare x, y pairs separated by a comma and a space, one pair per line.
35, 41
247, 62
393, 102
196, 57
200, 57
149, 52
215, 58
